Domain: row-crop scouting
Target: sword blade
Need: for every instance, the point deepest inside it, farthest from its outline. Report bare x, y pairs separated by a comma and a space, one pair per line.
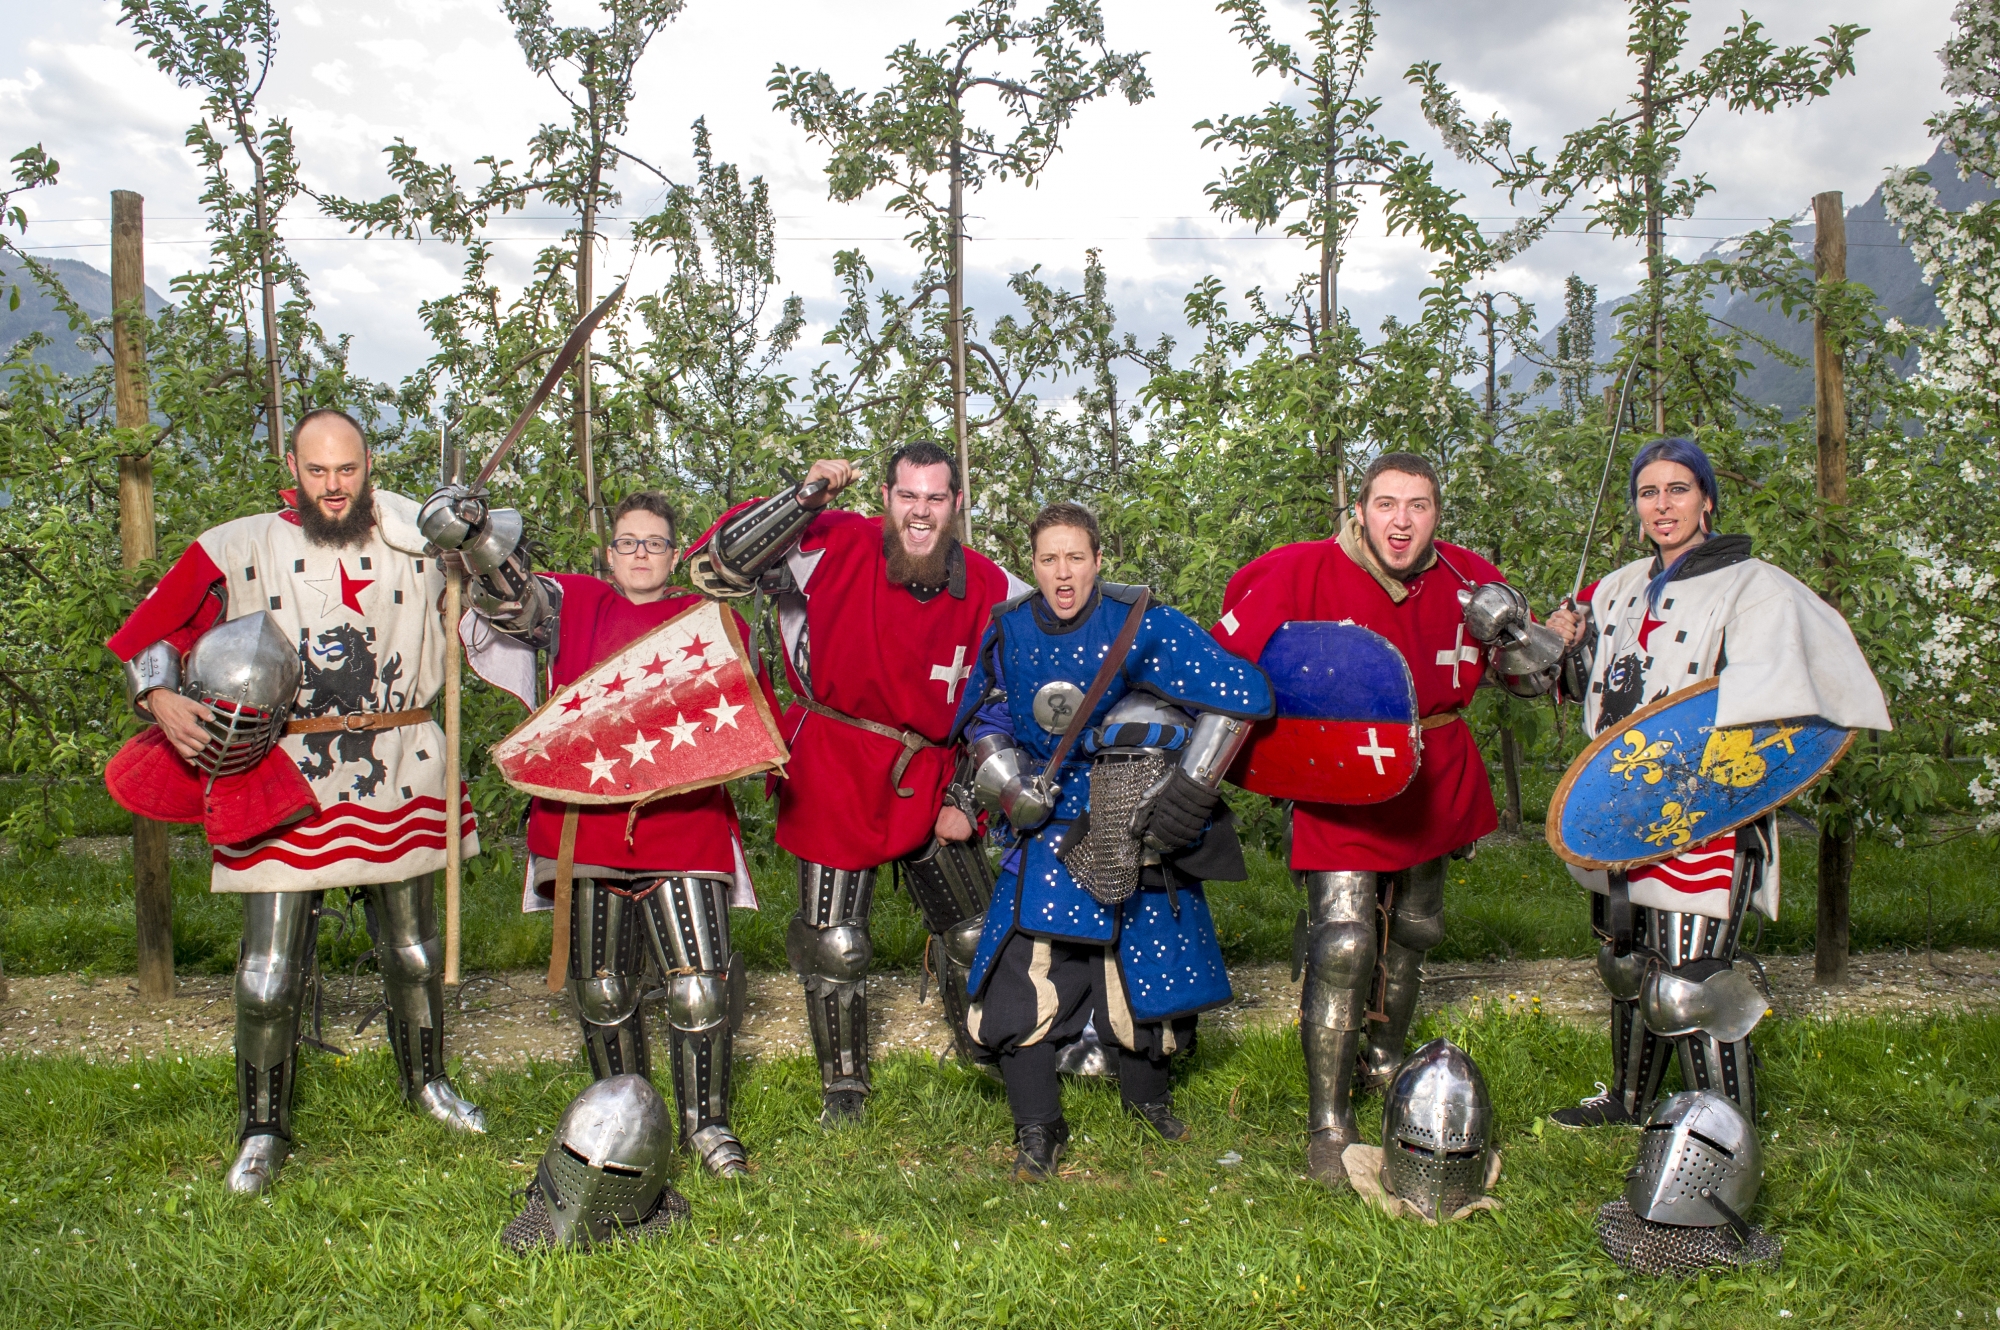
1617, 428
579, 337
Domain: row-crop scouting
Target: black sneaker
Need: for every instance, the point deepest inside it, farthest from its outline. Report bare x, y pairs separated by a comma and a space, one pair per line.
1160, 1117
1602, 1109
840, 1107
1040, 1146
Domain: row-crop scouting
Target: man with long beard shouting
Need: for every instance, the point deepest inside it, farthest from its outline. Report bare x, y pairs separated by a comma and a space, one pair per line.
881, 618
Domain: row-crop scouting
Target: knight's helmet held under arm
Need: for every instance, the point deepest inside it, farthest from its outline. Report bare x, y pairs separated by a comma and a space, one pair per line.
247, 674
605, 1174
1437, 1130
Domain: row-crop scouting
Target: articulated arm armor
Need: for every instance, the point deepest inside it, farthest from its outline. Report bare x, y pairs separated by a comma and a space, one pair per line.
158, 666
1580, 661
1003, 783
504, 587
1526, 655
733, 559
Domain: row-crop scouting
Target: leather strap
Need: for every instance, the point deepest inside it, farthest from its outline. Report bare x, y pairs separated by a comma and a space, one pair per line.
1440, 720
565, 870
1114, 659
913, 743
360, 720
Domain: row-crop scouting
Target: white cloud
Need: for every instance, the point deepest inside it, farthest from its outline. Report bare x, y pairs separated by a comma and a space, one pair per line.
333, 73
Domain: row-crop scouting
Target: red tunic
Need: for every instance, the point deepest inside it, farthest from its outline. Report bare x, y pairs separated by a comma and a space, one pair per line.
876, 652
688, 833
1450, 803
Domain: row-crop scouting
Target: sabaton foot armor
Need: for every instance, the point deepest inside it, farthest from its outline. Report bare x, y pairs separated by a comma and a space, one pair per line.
684, 923
1353, 957
402, 919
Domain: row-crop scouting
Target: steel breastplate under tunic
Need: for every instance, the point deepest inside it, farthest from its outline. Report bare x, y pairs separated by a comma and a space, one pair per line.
1170, 959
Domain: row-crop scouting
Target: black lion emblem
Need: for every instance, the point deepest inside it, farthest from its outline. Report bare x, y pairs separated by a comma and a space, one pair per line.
340, 679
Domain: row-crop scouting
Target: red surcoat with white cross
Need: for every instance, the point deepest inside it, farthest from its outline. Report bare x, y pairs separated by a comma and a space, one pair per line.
871, 649
1450, 802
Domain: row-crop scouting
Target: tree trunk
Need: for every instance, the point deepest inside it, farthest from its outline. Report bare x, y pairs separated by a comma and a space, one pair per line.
585, 451
1836, 850
152, 890
955, 290
1510, 769
1655, 245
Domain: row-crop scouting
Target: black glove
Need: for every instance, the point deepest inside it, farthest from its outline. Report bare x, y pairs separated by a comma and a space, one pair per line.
1178, 812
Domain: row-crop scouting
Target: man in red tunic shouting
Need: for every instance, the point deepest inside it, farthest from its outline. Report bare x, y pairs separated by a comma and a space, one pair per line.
881, 618
1385, 571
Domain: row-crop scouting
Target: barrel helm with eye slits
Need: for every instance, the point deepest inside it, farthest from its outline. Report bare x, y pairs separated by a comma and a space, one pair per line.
1699, 1163
605, 1174
1437, 1130
247, 674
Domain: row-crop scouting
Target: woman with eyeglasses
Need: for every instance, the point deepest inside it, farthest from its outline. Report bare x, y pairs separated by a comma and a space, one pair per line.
666, 885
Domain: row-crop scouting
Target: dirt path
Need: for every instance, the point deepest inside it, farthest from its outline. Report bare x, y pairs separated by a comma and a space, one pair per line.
508, 1018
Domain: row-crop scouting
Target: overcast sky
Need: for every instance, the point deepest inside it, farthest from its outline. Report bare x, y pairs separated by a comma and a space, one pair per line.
352, 75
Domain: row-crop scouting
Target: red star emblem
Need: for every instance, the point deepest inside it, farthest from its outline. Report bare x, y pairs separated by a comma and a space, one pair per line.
617, 685
695, 648
574, 705
1646, 627
352, 587
657, 668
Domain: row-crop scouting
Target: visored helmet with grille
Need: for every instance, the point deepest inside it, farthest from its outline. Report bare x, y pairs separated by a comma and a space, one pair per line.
605, 1175
1437, 1129
247, 674
1699, 1162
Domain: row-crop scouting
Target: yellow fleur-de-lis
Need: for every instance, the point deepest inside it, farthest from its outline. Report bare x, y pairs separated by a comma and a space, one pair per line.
1675, 827
1731, 756
1642, 759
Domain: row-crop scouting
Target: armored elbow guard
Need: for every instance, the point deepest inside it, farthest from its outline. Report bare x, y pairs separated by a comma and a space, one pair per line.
1002, 783
734, 557
1525, 654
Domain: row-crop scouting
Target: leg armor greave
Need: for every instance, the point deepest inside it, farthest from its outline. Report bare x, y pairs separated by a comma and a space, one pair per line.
1339, 966
829, 947
1416, 924
1707, 1063
687, 921
280, 929
952, 884
604, 978
402, 919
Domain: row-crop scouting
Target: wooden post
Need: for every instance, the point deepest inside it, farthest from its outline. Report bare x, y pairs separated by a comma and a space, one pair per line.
152, 889
1836, 834
454, 848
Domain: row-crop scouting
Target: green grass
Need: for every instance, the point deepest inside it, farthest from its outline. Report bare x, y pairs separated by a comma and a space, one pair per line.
1880, 1138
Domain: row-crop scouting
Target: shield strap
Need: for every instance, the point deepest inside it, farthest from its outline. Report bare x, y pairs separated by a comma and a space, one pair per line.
565, 870
1114, 659
913, 743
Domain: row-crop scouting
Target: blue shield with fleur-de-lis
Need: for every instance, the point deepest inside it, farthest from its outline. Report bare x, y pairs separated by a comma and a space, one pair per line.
1668, 777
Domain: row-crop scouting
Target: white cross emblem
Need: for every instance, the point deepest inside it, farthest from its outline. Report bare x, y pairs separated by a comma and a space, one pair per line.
1454, 656
1375, 749
952, 675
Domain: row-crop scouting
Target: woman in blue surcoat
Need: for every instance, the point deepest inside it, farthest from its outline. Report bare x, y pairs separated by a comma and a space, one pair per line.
1061, 950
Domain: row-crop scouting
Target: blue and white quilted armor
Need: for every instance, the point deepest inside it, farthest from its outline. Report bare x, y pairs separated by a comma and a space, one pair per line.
1169, 958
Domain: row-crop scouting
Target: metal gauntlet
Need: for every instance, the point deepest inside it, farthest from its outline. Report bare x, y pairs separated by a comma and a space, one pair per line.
1002, 784
741, 550
504, 586
158, 666
1525, 654
1580, 661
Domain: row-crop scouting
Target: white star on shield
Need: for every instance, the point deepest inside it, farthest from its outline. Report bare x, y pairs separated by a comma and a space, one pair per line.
600, 769
683, 731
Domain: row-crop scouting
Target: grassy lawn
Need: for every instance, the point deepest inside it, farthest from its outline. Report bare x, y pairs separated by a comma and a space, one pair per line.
1880, 1141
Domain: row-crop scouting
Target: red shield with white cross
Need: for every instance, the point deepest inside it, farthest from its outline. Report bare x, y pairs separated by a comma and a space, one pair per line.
677, 710
1346, 728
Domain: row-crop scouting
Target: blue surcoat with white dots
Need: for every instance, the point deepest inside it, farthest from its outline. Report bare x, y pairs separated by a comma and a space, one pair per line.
1168, 954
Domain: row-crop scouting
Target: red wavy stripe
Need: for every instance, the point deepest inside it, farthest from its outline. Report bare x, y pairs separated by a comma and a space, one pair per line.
432, 839
361, 835
339, 821
380, 816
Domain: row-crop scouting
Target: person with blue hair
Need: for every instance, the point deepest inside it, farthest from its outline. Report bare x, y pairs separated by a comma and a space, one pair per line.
1698, 607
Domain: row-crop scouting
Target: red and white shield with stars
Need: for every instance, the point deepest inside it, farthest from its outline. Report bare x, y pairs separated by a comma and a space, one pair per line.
677, 710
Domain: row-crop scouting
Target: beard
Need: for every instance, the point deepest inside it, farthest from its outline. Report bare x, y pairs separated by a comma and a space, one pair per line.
1417, 564
908, 569
339, 532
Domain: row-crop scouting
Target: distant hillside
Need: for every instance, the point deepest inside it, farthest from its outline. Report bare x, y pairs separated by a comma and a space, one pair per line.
1876, 256
88, 286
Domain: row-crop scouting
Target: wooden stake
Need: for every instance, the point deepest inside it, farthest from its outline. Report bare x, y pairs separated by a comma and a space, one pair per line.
152, 889
1836, 846
454, 850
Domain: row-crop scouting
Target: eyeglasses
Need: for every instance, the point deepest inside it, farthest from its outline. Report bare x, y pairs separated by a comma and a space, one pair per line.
633, 544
